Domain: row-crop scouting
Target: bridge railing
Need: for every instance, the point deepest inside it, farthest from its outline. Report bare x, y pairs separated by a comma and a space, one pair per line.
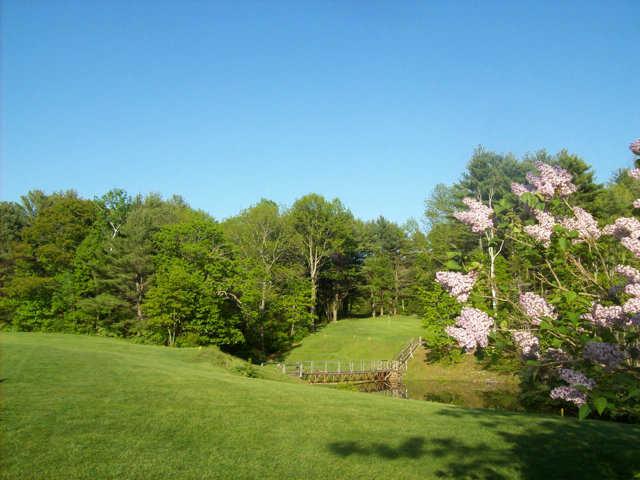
338, 366
407, 352
400, 361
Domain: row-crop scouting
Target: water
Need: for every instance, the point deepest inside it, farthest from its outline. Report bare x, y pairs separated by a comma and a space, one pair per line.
471, 394
494, 395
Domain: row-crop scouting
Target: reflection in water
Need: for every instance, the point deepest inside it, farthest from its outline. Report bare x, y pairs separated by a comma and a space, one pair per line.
493, 395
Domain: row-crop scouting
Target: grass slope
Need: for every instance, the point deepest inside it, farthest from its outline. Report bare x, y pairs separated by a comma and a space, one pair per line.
86, 407
378, 338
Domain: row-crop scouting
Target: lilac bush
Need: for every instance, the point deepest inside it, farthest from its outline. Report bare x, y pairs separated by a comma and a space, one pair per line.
583, 223
478, 217
544, 229
551, 181
458, 285
527, 343
536, 308
569, 394
471, 329
587, 348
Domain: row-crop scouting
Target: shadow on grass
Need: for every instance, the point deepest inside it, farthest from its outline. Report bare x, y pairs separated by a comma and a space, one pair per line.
543, 449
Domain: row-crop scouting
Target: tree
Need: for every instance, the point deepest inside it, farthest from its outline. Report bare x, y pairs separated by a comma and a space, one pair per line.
321, 229
39, 288
259, 234
114, 207
193, 287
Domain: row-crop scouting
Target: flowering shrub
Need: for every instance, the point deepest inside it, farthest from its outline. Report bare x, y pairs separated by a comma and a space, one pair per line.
457, 284
527, 343
471, 329
581, 356
478, 217
551, 181
536, 308
583, 223
544, 229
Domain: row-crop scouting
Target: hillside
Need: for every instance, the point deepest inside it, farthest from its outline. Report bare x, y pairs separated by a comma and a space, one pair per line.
379, 338
87, 407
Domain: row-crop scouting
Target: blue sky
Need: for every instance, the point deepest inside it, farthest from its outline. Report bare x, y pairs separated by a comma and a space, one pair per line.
372, 102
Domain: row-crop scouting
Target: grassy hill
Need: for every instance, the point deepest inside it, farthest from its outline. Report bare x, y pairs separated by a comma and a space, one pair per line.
87, 407
378, 338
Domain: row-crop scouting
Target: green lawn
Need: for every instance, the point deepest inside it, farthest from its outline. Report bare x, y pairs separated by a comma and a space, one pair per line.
378, 338
97, 408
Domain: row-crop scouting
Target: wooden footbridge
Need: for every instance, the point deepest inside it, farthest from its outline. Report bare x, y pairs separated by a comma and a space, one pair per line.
336, 371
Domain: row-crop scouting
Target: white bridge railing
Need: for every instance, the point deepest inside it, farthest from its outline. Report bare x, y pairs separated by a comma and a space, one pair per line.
399, 363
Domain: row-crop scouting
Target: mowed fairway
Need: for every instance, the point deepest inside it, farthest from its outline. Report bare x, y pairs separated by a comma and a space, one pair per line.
379, 338
96, 408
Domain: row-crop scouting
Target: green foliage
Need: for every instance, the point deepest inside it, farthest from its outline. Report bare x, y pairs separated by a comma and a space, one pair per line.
440, 311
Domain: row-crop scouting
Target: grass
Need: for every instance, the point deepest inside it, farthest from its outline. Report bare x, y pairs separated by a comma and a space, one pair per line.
379, 338
86, 407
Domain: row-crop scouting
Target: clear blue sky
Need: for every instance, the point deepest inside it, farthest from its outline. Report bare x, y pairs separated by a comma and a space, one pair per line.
373, 102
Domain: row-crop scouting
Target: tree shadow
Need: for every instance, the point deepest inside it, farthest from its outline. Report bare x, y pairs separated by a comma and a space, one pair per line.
412, 447
545, 448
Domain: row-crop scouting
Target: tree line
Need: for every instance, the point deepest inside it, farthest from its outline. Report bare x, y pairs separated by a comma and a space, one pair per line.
157, 270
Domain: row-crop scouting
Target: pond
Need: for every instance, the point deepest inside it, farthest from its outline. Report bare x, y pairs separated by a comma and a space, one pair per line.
470, 394
494, 395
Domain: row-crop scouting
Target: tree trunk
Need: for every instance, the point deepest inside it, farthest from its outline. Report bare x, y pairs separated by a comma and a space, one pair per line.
334, 308
314, 293
263, 298
396, 290
492, 279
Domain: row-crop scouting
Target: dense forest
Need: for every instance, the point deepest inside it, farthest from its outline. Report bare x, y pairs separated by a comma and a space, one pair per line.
157, 270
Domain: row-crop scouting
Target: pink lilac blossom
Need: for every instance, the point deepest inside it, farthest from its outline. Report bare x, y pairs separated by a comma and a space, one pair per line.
569, 394
635, 173
607, 354
527, 343
471, 329
635, 147
632, 244
604, 316
543, 230
632, 289
583, 223
636, 203
627, 230
551, 181
457, 284
623, 227
576, 379
519, 189
632, 306
535, 307
631, 274
478, 217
